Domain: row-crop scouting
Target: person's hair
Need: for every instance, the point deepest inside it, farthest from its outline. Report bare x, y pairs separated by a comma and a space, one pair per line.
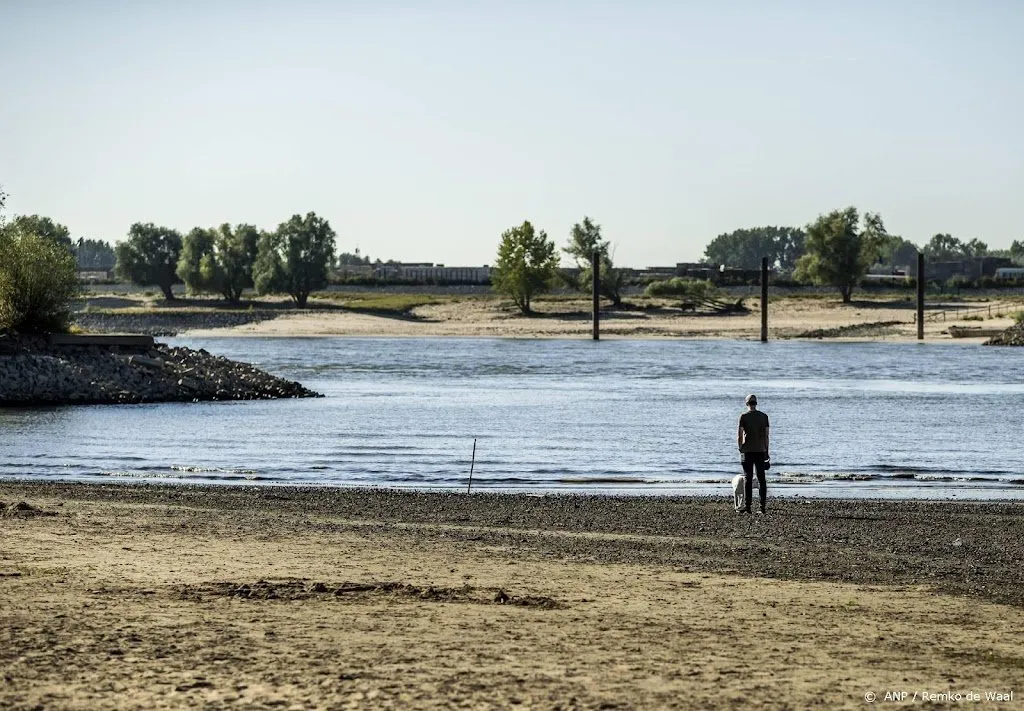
751, 399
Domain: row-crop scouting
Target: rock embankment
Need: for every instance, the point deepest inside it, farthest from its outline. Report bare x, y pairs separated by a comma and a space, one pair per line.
167, 324
1013, 336
35, 372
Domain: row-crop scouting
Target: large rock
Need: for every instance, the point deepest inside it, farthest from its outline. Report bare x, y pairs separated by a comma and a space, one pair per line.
35, 372
1013, 336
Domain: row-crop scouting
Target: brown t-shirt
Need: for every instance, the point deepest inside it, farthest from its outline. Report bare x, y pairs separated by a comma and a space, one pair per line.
754, 425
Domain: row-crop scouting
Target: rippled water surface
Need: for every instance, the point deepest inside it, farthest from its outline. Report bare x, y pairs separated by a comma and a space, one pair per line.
644, 416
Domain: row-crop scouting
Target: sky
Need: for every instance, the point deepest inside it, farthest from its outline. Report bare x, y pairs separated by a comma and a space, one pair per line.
423, 130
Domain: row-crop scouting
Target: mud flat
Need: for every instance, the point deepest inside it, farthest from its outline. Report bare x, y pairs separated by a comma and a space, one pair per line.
180, 597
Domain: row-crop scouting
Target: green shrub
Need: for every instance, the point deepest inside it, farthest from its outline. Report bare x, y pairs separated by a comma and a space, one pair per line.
696, 289
1018, 317
38, 280
959, 281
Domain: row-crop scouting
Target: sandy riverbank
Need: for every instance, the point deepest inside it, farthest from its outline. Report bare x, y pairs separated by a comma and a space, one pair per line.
571, 318
164, 597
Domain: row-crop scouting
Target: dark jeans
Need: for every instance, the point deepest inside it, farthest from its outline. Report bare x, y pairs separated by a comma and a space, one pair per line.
754, 461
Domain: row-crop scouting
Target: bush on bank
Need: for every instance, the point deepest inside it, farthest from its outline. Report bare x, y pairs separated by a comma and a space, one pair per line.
38, 280
684, 287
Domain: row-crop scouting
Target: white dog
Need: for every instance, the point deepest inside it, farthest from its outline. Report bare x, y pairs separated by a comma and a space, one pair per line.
738, 493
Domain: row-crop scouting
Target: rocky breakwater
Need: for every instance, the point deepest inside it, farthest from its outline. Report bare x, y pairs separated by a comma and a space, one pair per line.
167, 324
1013, 336
40, 372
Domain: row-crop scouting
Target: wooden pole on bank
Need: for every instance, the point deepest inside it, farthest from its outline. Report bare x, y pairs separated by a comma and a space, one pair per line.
920, 296
596, 269
764, 299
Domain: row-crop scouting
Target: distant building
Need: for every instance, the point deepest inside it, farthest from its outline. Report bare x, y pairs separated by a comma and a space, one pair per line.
1010, 273
698, 270
355, 270
973, 268
894, 278
655, 273
429, 273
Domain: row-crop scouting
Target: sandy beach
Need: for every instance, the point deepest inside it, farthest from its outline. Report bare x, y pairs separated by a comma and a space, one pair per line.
825, 317
118, 596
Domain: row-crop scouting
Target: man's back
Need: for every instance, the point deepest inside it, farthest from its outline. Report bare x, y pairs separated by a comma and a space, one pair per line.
754, 424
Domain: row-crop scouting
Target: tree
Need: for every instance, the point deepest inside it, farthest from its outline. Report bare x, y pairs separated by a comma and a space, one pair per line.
526, 265
840, 251
235, 251
744, 248
38, 280
294, 259
976, 248
1017, 251
94, 254
353, 259
219, 260
584, 240
896, 251
945, 248
43, 227
611, 280
149, 257
197, 246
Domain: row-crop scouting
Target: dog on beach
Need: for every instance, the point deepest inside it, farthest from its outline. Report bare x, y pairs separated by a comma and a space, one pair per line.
738, 495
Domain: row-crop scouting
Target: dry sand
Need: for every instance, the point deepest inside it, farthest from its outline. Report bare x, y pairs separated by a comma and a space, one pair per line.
492, 317
164, 597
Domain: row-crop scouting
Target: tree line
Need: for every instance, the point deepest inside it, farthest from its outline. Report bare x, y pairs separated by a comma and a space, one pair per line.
783, 246
839, 248
292, 259
38, 259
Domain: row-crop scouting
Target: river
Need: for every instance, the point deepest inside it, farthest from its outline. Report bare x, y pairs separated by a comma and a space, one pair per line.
881, 420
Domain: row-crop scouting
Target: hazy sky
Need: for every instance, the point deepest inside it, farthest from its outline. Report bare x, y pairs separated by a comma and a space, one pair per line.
422, 130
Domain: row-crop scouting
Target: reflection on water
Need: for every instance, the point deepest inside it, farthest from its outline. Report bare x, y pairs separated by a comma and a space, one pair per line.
657, 416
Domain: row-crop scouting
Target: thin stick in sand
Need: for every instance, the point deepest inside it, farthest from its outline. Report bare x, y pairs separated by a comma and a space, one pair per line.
471, 463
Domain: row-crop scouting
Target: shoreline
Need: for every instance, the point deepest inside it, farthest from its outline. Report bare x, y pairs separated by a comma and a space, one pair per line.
998, 493
230, 332
790, 318
142, 596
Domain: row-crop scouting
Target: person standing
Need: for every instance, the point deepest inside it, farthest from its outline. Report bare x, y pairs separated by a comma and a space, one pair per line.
752, 440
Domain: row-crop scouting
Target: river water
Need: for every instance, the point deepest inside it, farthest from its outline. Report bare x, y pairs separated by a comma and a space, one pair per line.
619, 416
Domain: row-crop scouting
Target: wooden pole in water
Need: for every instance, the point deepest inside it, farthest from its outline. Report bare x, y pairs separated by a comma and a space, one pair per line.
596, 269
920, 296
764, 299
471, 463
